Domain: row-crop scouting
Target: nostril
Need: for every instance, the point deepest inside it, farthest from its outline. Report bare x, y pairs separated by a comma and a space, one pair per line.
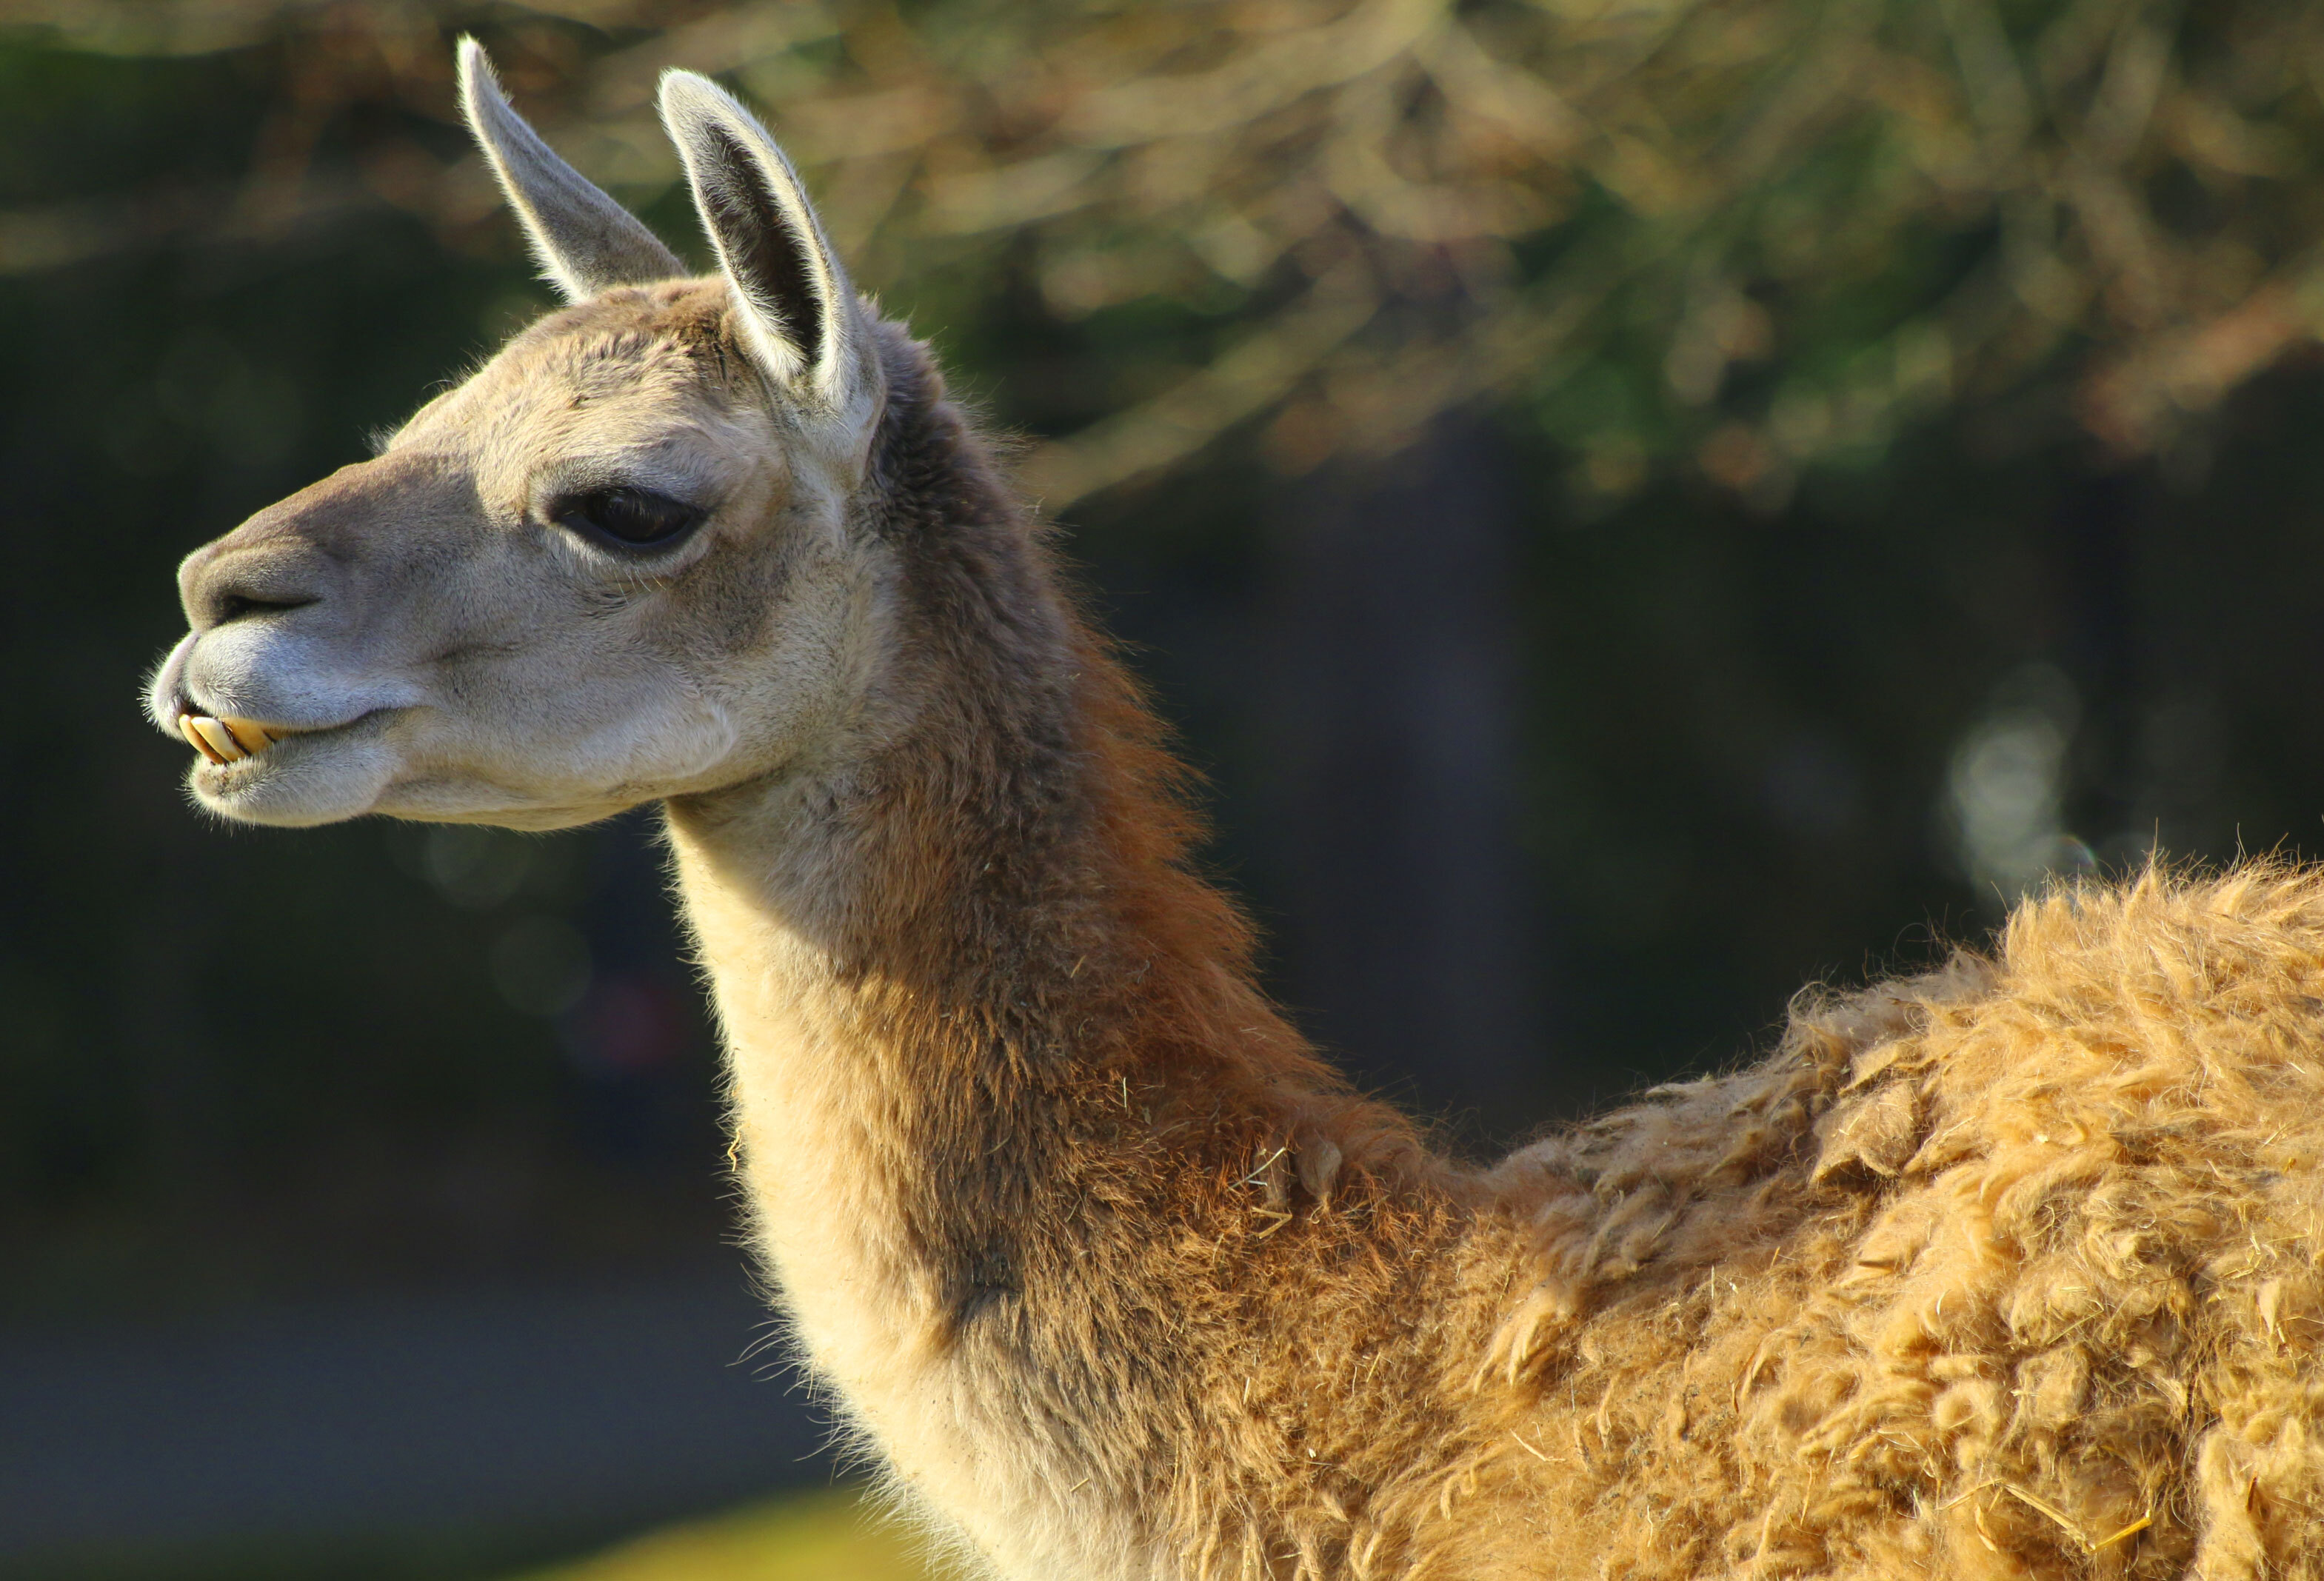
220, 588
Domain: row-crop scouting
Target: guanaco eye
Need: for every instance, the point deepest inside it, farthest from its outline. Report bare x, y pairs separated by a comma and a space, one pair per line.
632, 518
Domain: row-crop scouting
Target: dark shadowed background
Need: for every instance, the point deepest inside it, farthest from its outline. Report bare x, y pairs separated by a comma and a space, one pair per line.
1634, 511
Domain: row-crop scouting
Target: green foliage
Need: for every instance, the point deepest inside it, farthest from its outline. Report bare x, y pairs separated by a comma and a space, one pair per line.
813, 1536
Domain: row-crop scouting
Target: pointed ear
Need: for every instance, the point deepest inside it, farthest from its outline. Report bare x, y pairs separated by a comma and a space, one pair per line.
585, 241
798, 308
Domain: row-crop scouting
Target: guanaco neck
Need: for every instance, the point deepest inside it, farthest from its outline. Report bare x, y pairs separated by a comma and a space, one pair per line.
989, 1035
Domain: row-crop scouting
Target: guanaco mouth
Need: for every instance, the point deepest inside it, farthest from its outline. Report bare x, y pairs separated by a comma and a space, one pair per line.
226, 739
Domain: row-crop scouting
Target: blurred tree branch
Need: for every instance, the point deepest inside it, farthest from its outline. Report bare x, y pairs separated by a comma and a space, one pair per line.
1742, 235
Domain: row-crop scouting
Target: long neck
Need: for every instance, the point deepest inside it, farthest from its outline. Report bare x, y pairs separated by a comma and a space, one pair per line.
958, 974
993, 1041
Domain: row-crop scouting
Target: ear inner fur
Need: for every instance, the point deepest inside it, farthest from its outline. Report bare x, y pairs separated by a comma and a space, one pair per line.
757, 218
769, 256
585, 242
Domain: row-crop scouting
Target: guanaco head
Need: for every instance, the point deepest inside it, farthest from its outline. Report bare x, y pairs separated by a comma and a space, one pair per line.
625, 560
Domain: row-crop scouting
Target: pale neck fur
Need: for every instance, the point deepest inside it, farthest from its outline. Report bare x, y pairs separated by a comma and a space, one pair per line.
842, 1084
810, 1088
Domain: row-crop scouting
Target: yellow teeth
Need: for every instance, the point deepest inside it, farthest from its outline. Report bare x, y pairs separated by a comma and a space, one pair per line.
251, 738
224, 741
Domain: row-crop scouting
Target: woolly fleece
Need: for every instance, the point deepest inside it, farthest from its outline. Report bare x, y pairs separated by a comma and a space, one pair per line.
2011, 1270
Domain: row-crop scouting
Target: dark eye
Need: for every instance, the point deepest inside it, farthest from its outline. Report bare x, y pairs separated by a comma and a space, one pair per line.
631, 517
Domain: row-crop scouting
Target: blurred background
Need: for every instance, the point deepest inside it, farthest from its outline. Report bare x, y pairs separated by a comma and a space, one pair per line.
1635, 505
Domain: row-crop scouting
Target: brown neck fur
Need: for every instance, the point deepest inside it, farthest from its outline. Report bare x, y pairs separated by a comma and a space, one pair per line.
1011, 864
1064, 1067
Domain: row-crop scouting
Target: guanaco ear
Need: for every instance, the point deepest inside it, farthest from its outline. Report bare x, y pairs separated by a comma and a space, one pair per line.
800, 312
585, 241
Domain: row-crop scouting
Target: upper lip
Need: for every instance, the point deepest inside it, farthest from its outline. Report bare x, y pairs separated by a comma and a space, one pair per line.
226, 736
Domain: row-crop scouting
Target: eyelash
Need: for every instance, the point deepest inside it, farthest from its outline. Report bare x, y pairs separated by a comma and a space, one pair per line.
626, 518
